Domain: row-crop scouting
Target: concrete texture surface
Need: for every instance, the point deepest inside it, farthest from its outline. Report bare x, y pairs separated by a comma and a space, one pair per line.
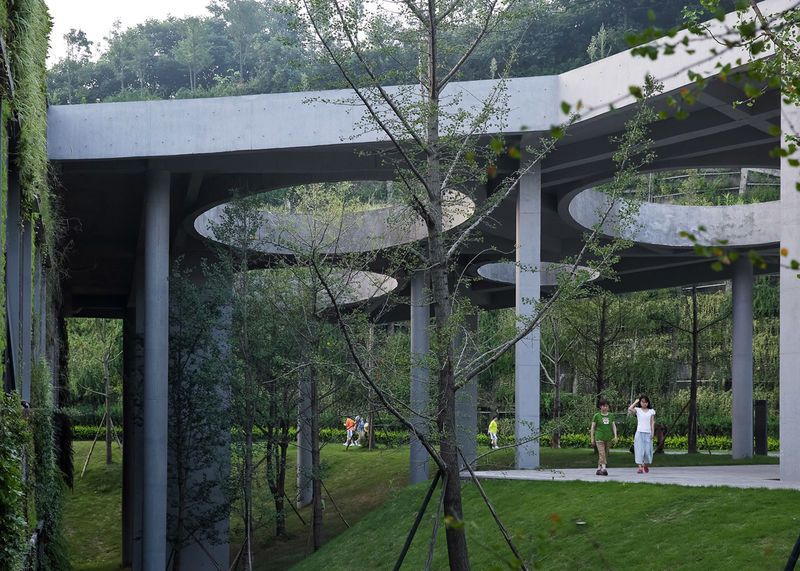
760, 476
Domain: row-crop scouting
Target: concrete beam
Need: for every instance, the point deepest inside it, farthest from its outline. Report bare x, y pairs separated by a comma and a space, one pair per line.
526, 363
420, 376
156, 320
790, 307
742, 365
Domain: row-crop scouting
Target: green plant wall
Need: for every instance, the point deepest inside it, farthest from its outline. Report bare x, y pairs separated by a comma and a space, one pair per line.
25, 27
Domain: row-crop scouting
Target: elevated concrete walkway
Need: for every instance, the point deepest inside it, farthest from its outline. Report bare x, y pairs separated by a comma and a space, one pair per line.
759, 476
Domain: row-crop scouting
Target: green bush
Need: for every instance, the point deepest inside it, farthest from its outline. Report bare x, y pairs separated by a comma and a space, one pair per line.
13, 436
393, 438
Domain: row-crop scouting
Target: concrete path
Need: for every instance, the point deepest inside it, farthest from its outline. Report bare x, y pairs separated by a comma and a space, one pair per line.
759, 476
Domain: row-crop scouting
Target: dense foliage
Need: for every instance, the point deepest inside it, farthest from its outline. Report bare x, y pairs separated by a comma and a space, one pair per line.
14, 434
261, 46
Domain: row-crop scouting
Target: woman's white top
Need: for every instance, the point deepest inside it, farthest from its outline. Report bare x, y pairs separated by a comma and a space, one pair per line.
643, 417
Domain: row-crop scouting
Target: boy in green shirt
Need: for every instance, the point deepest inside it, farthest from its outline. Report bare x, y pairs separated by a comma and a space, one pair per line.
603, 431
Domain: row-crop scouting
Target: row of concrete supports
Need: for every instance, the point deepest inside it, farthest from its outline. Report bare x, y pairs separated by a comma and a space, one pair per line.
145, 472
528, 258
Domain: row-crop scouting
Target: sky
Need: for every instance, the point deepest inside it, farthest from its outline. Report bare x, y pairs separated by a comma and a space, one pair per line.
95, 17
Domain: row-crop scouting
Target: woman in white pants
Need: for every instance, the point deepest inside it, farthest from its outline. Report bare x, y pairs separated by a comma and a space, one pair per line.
645, 427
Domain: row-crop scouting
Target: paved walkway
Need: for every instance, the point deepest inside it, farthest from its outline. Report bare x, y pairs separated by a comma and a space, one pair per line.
758, 476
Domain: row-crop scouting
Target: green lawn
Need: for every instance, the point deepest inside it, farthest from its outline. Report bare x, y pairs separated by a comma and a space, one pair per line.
579, 525
361, 482
93, 511
358, 480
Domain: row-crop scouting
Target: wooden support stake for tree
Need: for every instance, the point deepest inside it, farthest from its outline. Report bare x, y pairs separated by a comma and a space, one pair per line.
291, 503
91, 449
436, 522
116, 436
499, 523
791, 563
338, 511
417, 521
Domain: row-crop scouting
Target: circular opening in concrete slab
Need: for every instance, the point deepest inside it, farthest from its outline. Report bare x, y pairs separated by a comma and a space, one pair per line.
341, 221
506, 272
708, 186
661, 224
347, 287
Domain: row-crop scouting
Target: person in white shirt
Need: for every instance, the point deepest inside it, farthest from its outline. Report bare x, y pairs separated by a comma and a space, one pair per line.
643, 441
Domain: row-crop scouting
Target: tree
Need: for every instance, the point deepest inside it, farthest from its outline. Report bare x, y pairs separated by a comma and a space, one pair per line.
554, 349
194, 50
244, 20
95, 365
141, 54
79, 50
281, 334
198, 428
117, 53
434, 153
599, 331
694, 330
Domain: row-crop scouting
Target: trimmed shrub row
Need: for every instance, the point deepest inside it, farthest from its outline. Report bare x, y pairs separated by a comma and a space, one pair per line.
569, 440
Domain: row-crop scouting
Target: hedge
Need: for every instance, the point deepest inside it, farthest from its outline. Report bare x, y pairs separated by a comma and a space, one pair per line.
399, 438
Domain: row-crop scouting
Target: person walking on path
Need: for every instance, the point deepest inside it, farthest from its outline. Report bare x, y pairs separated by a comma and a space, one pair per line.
493, 432
349, 426
645, 427
602, 432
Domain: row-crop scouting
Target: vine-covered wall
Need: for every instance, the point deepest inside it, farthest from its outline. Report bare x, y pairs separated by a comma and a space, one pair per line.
30, 481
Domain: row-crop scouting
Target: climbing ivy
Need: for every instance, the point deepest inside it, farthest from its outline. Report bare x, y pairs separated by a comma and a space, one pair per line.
14, 434
33, 495
47, 482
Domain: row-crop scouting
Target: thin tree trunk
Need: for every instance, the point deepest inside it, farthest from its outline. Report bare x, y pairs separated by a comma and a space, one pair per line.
316, 504
248, 493
555, 440
280, 496
692, 436
108, 410
600, 378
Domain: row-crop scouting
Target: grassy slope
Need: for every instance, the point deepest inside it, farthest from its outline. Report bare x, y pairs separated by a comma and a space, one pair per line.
670, 526
93, 511
359, 481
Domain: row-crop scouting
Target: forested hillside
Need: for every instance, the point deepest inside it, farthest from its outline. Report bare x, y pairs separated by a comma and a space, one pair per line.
260, 46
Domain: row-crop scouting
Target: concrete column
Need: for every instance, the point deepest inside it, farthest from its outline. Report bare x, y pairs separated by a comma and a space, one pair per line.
156, 322
742, 365
526, 363
199, 401
305, 490
128, 342
26, 308
790, 307
467, 400
420, 389
137, 428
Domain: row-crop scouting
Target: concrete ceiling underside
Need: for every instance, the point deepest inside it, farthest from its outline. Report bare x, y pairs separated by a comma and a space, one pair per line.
102, 200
